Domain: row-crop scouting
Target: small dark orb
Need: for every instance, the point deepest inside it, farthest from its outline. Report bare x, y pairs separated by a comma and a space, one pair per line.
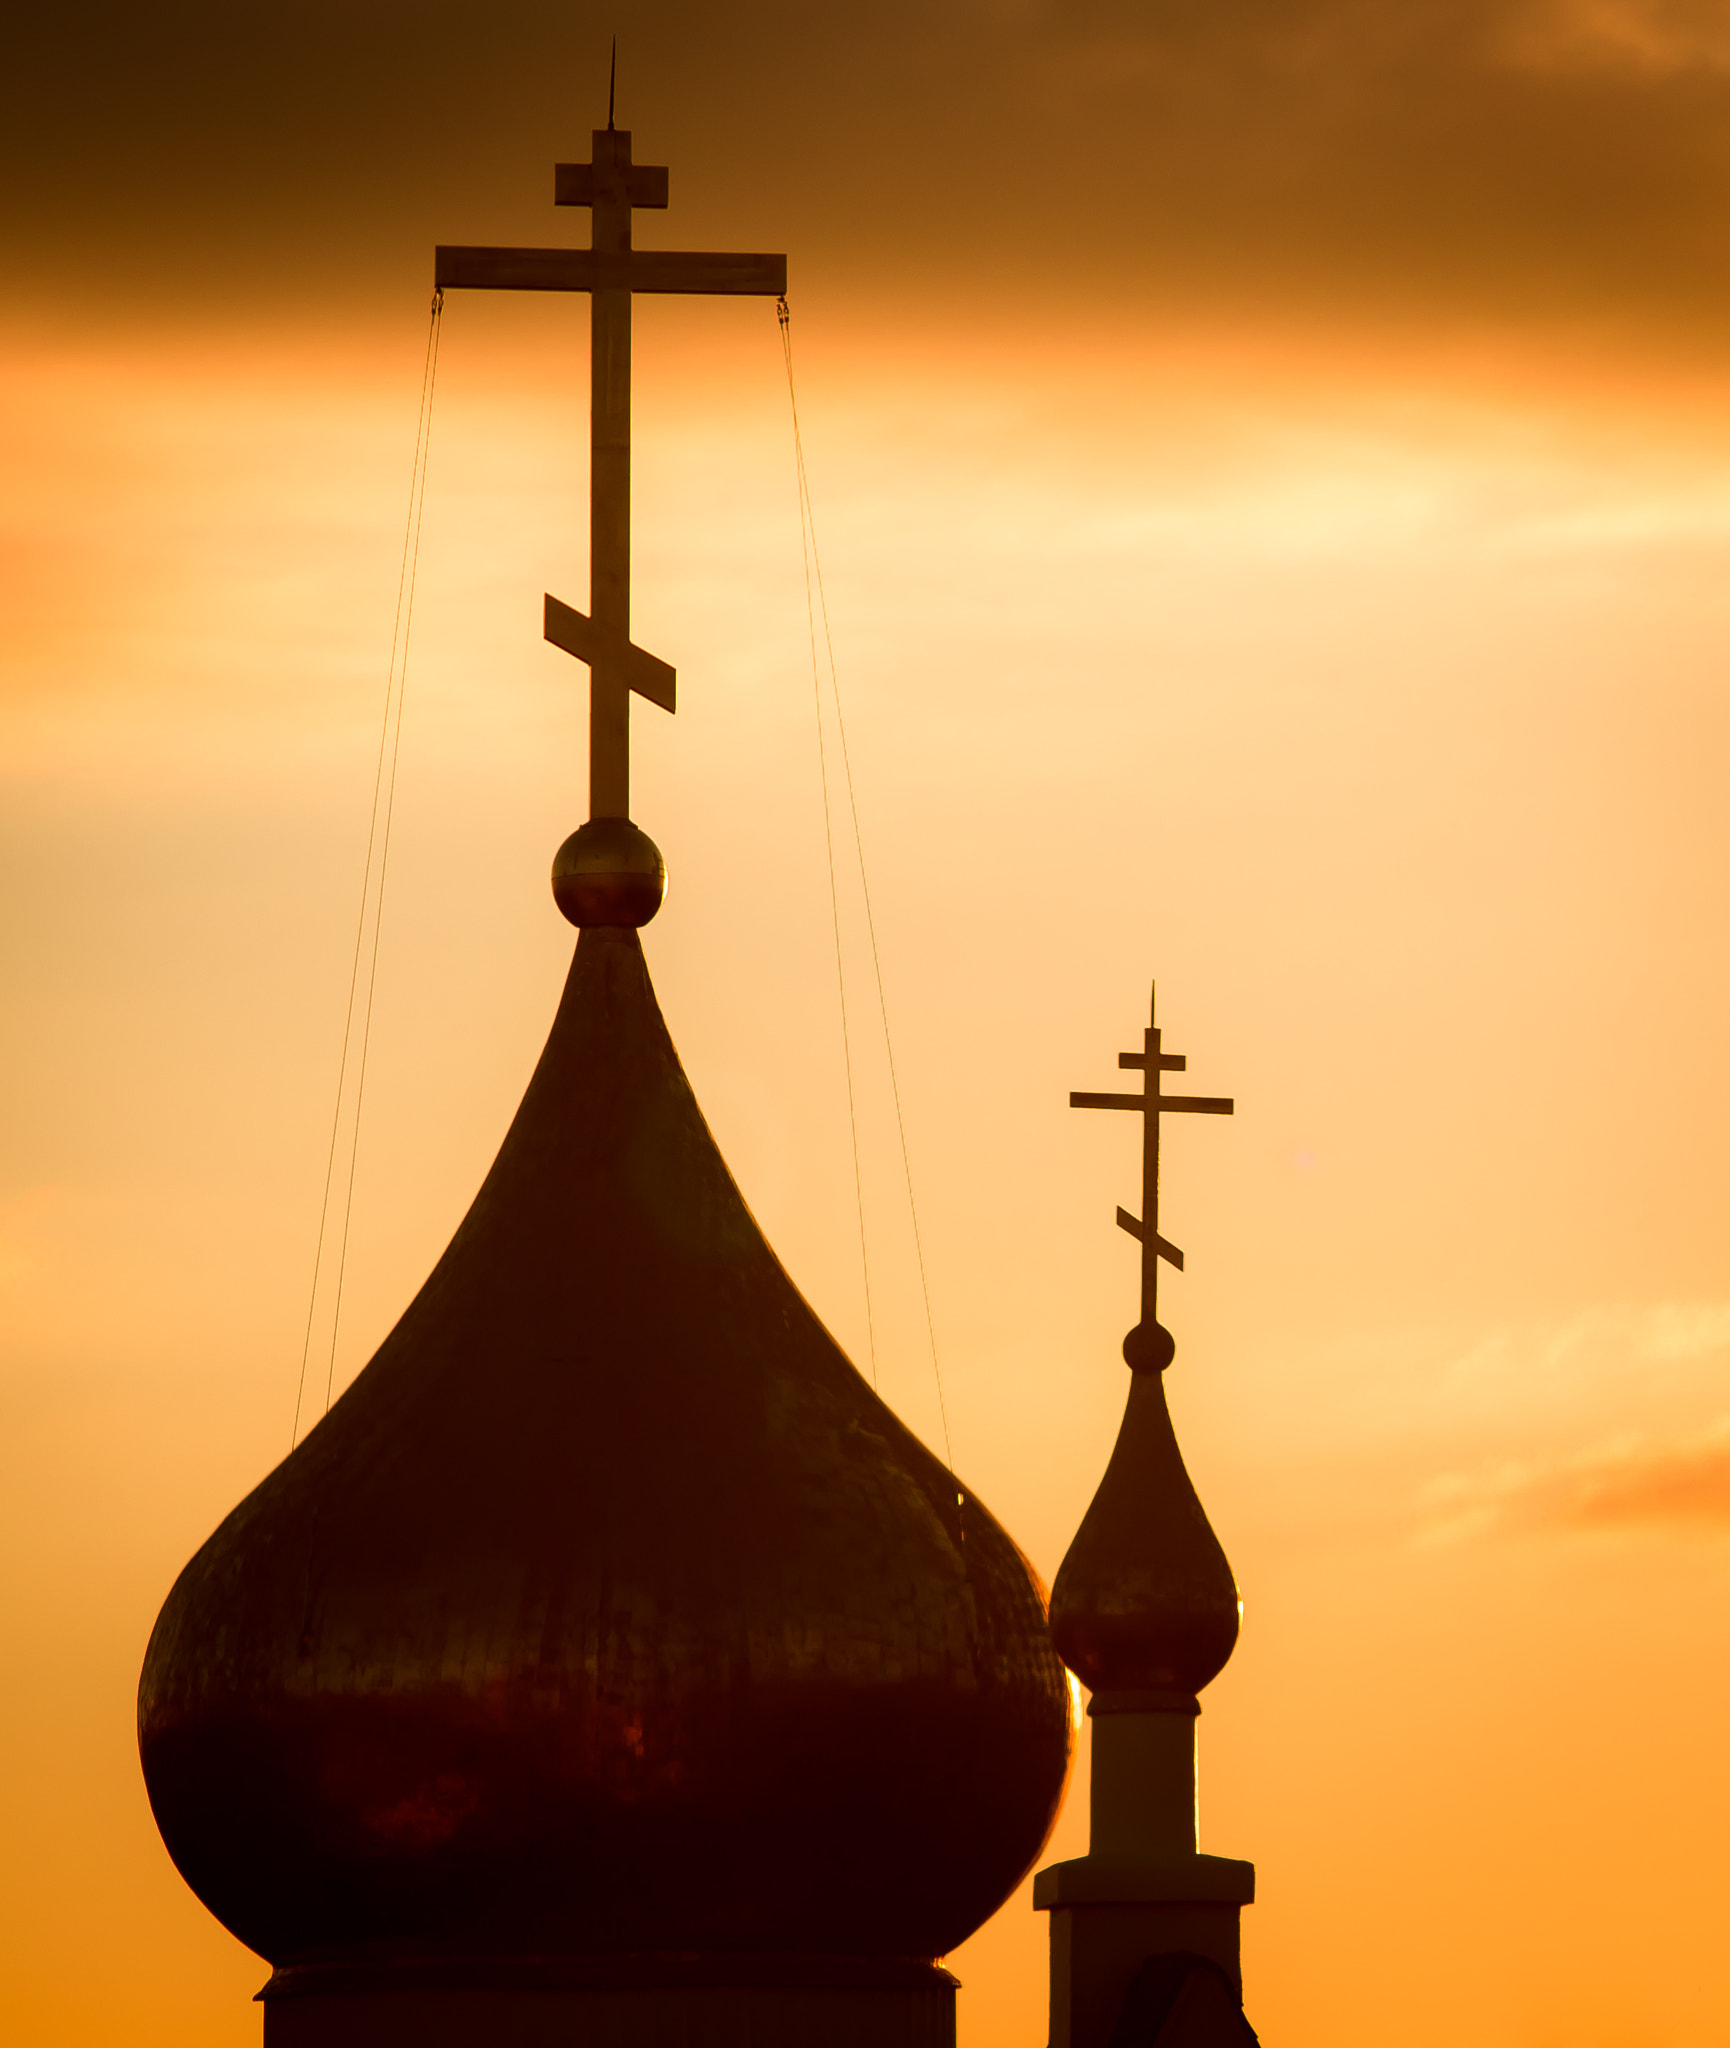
609, 872
1149, 1349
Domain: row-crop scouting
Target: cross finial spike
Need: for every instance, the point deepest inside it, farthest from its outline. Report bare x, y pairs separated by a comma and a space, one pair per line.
610, 872
1148, 1347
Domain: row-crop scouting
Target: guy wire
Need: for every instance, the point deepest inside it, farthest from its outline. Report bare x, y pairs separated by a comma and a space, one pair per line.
384, 858
398, 639
807, 536
814, 561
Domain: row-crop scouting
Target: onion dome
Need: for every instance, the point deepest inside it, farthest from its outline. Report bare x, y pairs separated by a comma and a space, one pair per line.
1145, 1600
608, 1613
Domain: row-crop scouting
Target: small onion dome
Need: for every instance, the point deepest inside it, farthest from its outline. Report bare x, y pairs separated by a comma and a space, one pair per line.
609, 1613
1145, 1600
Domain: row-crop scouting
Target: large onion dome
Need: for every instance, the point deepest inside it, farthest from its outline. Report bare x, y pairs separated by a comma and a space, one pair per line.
609, 1612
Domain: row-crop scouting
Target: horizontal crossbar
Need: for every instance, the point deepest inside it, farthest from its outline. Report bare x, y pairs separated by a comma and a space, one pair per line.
594, 270
1198, 1105
1168, 1062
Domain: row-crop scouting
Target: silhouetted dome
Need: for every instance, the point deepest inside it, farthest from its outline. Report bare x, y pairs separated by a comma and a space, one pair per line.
609, 1610
1145, 1600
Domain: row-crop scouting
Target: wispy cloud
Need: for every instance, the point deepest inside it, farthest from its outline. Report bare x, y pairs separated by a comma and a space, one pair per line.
1621, 1362
1601, 1346
1631, 1484
1651, 38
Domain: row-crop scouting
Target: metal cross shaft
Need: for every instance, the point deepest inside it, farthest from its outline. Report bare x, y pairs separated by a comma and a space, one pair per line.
610, 270
1152, 1104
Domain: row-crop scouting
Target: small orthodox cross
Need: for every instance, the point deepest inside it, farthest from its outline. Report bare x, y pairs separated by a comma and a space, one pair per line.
1153, 1105
610, 270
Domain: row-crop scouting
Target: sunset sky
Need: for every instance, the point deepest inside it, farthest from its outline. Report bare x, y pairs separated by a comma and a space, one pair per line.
1271, 460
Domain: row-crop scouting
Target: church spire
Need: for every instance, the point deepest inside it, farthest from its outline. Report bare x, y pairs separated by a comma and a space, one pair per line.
1144, 1611
1145, 1598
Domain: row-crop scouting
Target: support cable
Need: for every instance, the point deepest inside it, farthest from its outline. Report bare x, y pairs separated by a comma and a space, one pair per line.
814, 566
389, 741
807, 540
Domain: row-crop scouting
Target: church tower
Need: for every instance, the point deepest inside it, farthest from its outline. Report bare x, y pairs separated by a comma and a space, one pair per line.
1144, 1611
609, 1665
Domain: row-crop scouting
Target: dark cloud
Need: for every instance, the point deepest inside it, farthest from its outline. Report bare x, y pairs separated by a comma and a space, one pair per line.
1502, 160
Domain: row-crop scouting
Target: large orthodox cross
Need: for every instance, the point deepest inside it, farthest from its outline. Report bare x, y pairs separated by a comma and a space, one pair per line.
1153, 1105
609, 270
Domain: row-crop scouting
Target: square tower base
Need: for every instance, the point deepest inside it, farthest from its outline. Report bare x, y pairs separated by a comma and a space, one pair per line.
1109, 1917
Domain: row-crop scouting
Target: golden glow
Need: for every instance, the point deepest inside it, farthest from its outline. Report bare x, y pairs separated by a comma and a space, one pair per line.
1372, 698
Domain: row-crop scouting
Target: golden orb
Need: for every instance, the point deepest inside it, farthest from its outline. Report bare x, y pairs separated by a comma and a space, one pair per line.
1149, 1348
609, 872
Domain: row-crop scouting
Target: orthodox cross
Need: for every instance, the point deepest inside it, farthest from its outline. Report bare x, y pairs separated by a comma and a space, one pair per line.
609, 270
1153, 1105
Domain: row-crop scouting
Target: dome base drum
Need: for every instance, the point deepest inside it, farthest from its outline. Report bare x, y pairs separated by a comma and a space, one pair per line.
772, 2002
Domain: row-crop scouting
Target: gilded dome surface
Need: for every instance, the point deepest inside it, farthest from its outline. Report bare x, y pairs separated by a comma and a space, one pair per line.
1145, 1600
608, 1611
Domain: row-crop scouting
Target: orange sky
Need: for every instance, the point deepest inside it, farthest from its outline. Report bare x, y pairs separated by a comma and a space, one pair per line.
1316, 601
